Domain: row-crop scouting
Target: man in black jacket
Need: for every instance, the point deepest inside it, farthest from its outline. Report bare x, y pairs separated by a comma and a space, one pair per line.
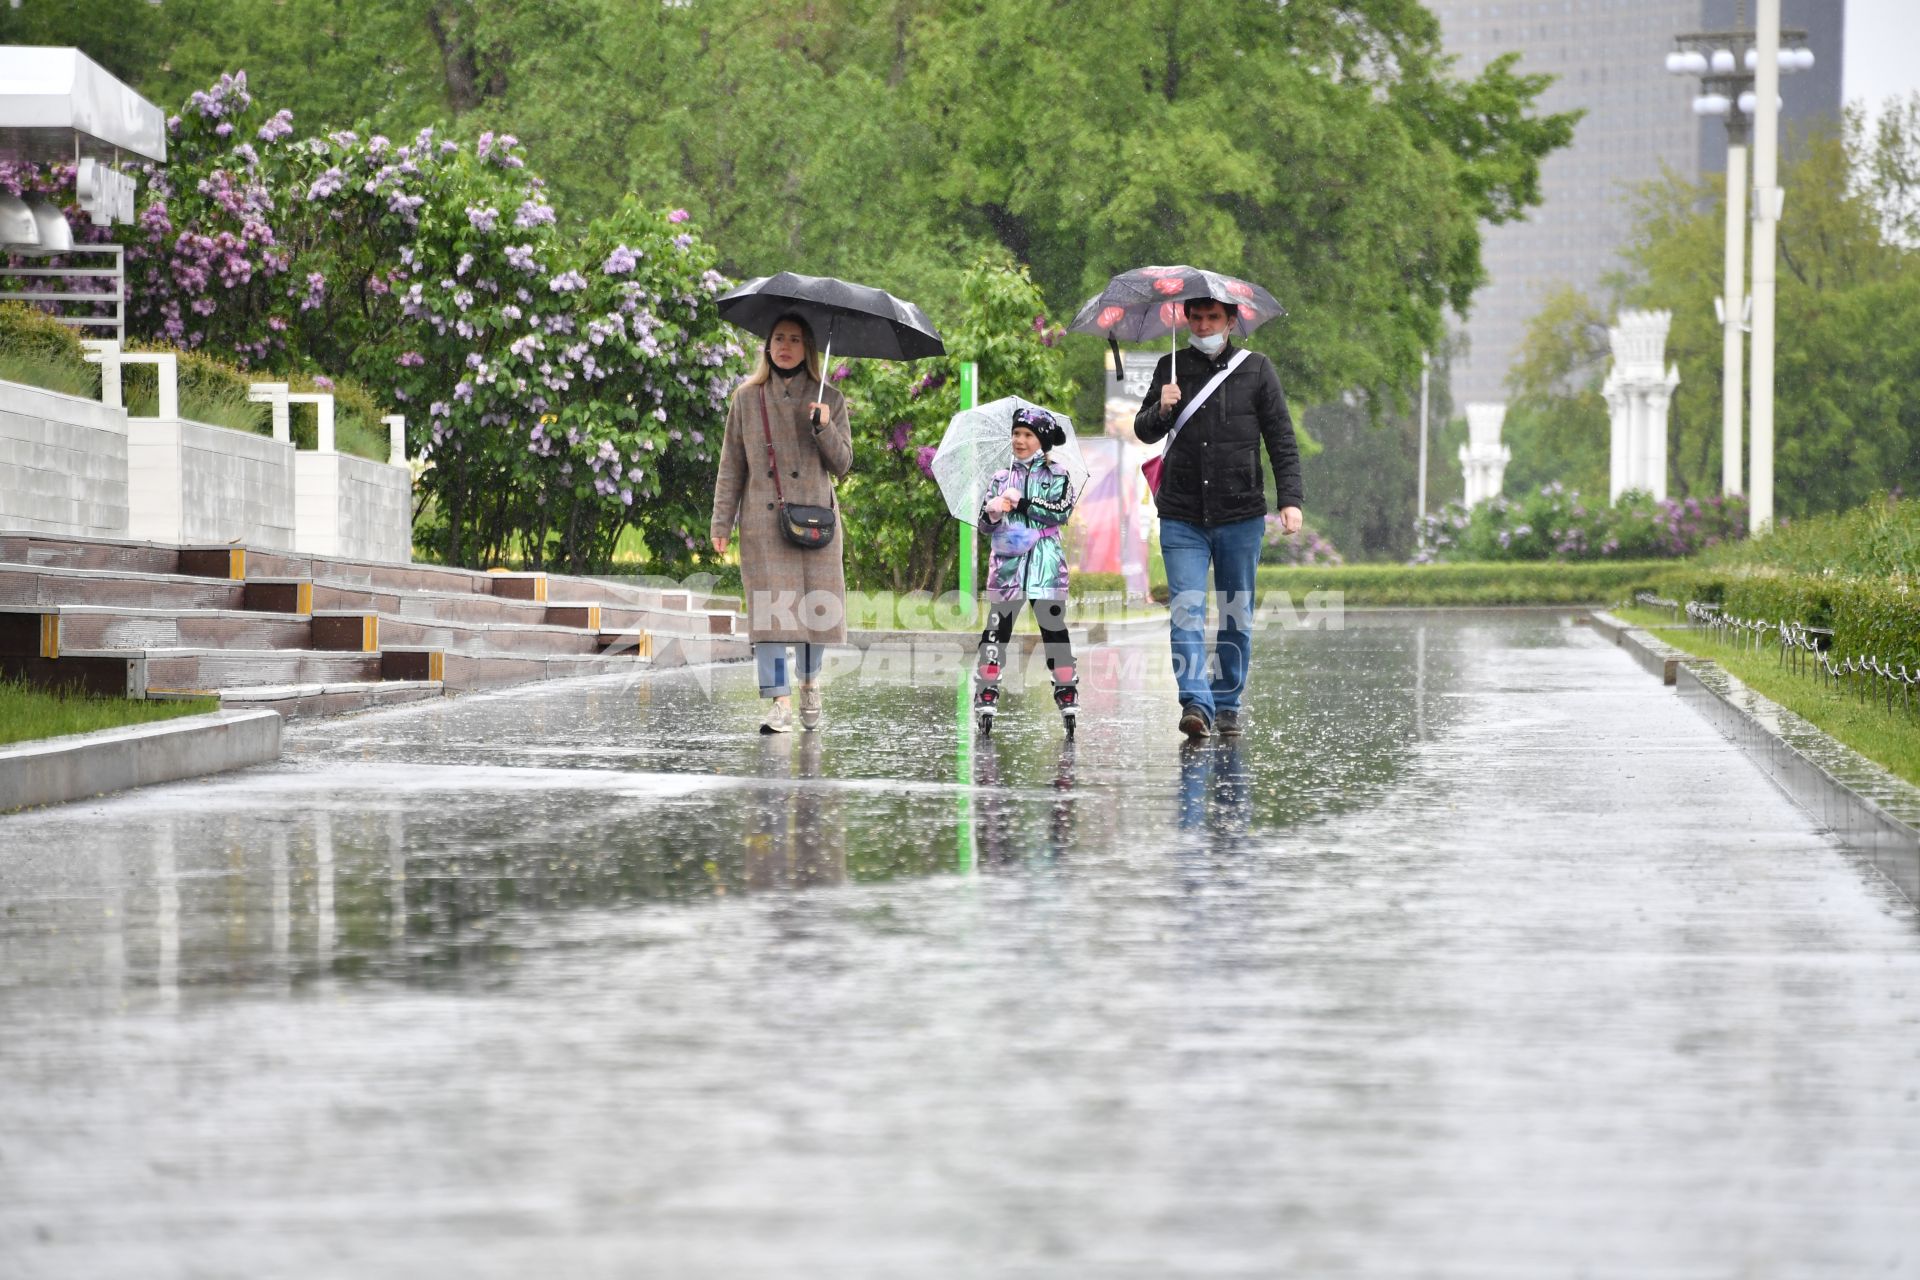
1213, 504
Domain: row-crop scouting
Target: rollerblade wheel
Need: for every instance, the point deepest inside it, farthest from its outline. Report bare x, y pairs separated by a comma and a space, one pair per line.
985, 723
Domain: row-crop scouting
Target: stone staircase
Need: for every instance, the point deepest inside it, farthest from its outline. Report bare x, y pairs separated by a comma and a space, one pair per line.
308, 634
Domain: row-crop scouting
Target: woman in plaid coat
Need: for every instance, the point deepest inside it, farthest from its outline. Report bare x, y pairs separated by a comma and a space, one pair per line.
794, 595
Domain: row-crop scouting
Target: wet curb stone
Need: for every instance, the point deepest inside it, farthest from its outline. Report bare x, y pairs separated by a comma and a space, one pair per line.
56, 770
1867, 807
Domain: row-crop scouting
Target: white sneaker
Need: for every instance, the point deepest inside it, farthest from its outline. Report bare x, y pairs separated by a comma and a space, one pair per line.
779, 718
810, 706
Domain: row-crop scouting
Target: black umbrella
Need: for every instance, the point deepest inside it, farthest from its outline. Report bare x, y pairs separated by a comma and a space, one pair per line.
1145, 303
860, 321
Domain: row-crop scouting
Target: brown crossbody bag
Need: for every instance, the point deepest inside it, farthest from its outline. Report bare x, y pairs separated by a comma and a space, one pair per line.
804, 526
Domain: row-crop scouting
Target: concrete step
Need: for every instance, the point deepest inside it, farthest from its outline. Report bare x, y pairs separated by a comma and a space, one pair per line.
293, 700
23, 586
36, 550
472, 610
219, 560
681, 651
356, 630
168, 670
53, 629
669, 621
463, 671
430, 606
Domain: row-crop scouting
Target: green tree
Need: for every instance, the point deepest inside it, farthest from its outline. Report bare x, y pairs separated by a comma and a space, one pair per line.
1556, 422
1322, 147
1362, 475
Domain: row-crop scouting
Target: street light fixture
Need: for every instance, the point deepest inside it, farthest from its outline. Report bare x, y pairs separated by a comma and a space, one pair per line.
1726, 62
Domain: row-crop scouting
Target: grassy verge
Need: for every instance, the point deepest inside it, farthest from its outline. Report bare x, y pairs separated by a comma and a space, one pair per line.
27, 713
1542, 582
1642, 616
1891, 740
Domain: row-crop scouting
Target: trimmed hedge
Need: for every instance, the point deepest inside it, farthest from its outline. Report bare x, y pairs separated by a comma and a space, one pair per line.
1469, 583
1869, 617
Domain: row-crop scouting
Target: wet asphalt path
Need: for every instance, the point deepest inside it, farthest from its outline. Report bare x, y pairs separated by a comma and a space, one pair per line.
1481, 956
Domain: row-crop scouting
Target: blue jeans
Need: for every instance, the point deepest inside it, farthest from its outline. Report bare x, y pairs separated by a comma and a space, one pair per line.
771, 659
1233, 551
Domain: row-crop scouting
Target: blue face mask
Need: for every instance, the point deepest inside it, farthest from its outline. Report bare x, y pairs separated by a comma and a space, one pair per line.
1210, 345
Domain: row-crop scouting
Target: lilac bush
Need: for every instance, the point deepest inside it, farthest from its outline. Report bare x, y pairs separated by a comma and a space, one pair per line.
563, 384
1557, 524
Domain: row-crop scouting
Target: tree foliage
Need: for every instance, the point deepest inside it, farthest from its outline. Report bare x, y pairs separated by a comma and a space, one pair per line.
1322, 147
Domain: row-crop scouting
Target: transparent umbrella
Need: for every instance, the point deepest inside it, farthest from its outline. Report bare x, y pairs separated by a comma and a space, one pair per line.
979, 442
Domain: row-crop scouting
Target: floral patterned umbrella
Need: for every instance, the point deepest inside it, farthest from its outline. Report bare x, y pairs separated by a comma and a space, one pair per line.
1147, 303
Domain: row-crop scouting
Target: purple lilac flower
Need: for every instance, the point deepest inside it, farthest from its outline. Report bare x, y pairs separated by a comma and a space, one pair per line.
620, 261
567, 282
902, 432
531, 214
520, 257
678, 215
326, 184
482, 217
277, 128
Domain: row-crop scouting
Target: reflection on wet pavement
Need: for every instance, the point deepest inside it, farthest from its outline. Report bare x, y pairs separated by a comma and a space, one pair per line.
1479, 955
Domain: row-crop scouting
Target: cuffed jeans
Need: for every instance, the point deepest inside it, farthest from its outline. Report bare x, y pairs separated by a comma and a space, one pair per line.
771, 659
1233, 552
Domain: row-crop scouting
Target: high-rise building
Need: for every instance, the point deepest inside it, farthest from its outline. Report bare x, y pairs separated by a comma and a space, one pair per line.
1608, 58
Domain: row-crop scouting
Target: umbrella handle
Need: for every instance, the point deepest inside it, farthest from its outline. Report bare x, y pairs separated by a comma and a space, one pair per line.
1119, 370
826, 371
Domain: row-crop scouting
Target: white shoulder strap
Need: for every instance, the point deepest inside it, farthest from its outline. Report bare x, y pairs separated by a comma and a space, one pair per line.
1200, 397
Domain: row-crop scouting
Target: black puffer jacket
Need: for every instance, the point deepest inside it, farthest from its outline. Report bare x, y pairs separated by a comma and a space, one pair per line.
1212, 474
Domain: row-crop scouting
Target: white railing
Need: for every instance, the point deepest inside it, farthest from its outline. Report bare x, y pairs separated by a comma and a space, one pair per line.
115, 275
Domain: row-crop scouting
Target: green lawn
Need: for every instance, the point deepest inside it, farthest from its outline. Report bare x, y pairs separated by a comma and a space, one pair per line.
27, 713
1891, 739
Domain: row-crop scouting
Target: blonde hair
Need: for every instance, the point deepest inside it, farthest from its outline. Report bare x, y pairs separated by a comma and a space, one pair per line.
763, 367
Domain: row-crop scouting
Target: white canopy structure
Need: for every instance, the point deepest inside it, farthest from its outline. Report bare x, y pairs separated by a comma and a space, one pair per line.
59, 105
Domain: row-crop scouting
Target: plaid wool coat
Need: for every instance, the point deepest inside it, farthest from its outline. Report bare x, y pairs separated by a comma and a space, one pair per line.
793, 595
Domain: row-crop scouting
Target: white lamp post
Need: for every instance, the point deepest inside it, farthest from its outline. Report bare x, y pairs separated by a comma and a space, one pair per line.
1767, 202
1728, 63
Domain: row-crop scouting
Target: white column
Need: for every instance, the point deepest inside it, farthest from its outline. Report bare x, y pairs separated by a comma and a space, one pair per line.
1734, 305
274, 394
322, 403
1639, 389
105, 352
1616, 398
396, 439
1766, 213
1483, 459
1420, 499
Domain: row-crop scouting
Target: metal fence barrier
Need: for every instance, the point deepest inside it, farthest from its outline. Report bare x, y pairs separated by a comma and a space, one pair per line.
1802, 649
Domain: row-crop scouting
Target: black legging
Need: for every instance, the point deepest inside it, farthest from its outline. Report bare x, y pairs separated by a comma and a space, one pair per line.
1052, 616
